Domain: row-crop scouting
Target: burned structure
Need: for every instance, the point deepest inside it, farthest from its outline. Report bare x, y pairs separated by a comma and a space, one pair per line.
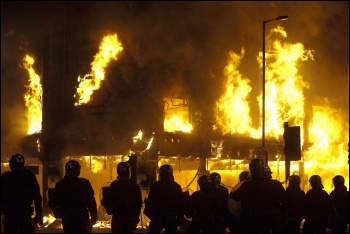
117, 112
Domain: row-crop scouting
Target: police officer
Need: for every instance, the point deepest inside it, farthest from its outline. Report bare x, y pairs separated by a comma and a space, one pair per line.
19, 191
259, 199
165, 203
201, 207
234, 206
126, 201
340, 201
278, 218
76, 197
318, 207
221, 202
295, 205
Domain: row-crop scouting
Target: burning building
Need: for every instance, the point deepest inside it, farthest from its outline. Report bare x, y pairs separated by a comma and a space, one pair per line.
98, 101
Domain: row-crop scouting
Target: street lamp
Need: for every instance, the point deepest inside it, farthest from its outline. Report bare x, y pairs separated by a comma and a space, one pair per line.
284, 17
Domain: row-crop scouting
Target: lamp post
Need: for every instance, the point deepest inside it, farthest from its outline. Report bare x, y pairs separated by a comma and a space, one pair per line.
284, 17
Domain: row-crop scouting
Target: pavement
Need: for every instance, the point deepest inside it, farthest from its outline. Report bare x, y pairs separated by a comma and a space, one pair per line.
56, 227
101, 227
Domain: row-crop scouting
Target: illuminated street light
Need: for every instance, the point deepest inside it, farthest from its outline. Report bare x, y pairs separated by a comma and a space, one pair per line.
284, 17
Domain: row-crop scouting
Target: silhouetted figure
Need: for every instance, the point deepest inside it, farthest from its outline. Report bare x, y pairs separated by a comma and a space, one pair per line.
126, 201
261, 198
201, 207
164, 203
295, 204
221, 214
340, 201
318, 207
279, 214
76, 197
20, 197
235, 206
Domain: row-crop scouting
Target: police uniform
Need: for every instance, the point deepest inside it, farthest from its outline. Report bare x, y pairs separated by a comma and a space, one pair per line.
261, 200
76, 197
19, 189
126, 201
165, 200
295, 205
318, 207
202, 207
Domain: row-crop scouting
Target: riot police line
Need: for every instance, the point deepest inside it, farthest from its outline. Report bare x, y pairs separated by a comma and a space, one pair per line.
263, 203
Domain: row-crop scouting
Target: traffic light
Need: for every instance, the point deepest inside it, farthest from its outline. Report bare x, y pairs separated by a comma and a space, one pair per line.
292, 148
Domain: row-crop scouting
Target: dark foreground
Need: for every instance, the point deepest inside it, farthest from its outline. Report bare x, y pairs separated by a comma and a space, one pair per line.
57, 228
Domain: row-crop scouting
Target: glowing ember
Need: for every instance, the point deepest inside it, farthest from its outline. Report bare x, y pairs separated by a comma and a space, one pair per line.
32, 97
47, 220
110, 47
137, 137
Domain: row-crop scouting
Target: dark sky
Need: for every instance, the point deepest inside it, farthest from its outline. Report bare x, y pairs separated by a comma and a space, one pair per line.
181, 42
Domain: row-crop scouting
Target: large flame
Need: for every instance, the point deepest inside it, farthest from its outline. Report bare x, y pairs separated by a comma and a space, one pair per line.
285, 102
284, 86
327, 132
232, 108
284, 97
110, 47
32, 97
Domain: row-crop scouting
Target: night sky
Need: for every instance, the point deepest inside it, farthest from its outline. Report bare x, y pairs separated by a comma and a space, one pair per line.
172, 47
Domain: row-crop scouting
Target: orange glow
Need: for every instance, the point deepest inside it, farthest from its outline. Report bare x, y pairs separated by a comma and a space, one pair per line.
328, 133
284, 92
110, 47
235, 100
32, 97
176, 116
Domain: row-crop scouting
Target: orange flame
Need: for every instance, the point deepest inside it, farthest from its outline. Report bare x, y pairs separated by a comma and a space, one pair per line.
284, 102
32, 97
235, 100
110, 47
284, 92
327, 134
176, 116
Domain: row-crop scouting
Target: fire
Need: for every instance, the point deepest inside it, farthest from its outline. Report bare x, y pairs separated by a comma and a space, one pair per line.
285, 102
284, 92
328, 135
284, 87
32, 97
137, 137
140, 145
232, 112
176, 116
96, 163
47, 220
110, 47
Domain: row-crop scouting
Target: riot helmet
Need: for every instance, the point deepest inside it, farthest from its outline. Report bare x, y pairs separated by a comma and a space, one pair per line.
166, 169
257, 169
338, 181
204, 182
294, 181
316, 181
72, 168
215, 179
123, 169
16, 162
268, 171
244, 175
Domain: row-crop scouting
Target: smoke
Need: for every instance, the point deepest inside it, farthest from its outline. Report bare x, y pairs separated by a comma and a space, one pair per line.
170, 48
